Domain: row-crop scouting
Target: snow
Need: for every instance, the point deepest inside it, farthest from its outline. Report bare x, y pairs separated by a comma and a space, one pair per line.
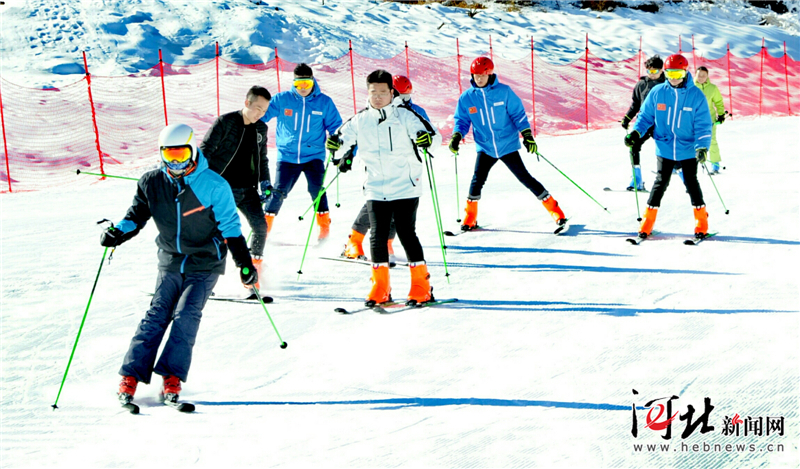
533, 366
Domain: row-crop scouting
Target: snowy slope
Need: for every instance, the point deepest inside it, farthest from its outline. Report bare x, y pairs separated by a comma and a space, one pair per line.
46, 37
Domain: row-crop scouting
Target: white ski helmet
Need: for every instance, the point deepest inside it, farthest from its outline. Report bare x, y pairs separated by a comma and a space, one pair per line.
177, 149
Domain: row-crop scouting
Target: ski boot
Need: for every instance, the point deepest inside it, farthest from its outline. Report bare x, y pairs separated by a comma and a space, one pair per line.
381, 290
714, 168
353, 249
471, 216
170, 390
701, 222
269, 217
127, 388
421, 290
648, 221
636, 179
324, 222
555, 211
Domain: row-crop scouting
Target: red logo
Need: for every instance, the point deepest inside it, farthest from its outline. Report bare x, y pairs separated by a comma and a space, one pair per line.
736, 420
661, 107
652, 422
473, 110
287, 112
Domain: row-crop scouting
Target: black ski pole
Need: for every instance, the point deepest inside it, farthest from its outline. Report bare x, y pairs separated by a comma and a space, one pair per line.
85, 313
458, 199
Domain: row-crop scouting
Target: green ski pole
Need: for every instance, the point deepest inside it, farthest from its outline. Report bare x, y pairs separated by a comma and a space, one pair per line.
260, 300
106, 175
715, 188
311, 228
458, 197
436, 211
636, 190
570, 180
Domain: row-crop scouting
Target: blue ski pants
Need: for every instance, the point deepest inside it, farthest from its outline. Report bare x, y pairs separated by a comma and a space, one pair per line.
287, 176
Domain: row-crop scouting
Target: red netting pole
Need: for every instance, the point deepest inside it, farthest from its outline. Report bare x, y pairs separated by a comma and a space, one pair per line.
94, 116
352, 75
491, 51
730, 92
278, 69
786, 73
163, 91
680, 45
216, 60
408, 73
586, 82
639, 72
5, 142
533, 90
761, 79
694, 57
458, 59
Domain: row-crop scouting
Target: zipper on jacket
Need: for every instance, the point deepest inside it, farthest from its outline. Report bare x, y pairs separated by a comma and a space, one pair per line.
491, 131
391, 148
300, 139
234, 153
674, 135
178, 236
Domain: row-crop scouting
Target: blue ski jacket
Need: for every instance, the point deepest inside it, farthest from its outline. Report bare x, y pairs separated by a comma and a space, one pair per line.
194, 214
681, 118
301, 124
496, 115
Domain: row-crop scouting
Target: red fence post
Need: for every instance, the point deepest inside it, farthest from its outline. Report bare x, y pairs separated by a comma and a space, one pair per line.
216, 60
730, 92
533, 90
94, 116
694, 57
458, 59
352, 74
5, 142
586, 83
761, 79
491, 52
786, 73
278, 68
408, 73
163, 91
640, 59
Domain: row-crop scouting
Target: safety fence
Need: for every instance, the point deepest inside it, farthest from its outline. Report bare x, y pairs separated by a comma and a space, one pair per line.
110, 125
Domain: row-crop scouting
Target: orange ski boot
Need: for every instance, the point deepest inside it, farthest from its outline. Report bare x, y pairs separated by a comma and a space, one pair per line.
381, 291
421, 290
127, 388
269, 217
701, 222
470, 216
555, 211
324, 222
648, 221
171, 389
353, 249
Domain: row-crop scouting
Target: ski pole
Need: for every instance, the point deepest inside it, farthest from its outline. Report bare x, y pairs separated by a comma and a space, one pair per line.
570, 180
458, 197
636, 190
436, 211
106, 175
261, 300
85, 313
316, 201
715, 188
337, 193
316, 207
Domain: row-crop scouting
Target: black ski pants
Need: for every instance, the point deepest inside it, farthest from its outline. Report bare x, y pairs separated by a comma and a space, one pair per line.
404, 212
361, 224
179, 299
664, 173
484, 163
248, 201
637, 147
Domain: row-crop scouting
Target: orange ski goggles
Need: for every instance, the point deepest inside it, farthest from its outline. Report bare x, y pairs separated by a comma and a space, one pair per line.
303, 83
176, 154
675, 74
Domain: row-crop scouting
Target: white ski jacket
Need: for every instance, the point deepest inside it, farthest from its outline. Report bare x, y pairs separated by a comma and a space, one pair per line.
385, 139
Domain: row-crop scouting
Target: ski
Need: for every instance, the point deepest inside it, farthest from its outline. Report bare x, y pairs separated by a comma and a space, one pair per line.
637, 240
127, 404
696, 241
360, 261
184, 407
563, 227
391, 307
450, 233
250, 299
608, 189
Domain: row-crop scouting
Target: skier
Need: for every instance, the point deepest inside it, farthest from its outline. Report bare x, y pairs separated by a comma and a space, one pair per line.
655, 76
678, 112
496, 114
194, 211
353, 249
717, 109
236, 148
304, 114
388, 137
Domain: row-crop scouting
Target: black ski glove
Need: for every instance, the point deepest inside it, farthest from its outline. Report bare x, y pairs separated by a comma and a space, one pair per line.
626, 121
700, 154
720, 118
333, 143
528, 141
249, 275
454, 141
346, 163
113, 237
424, 139
632, 138
241, 257
266, 190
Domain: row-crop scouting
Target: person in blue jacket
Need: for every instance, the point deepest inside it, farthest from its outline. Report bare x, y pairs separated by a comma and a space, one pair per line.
496, 115
678, 110
304, 116
195, 213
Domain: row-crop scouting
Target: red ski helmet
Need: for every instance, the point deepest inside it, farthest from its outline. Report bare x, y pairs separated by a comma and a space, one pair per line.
482, 66
676, 62
402, 84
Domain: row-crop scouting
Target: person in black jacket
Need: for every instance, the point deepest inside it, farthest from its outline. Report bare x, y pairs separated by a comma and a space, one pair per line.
655, 76
236, 148
197, 223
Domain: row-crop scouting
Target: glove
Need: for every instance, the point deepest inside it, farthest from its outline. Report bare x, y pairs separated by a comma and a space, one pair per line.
424, 139
112, 237
346, 163
632, 139
454, 141
249, 275
701, 154
626, 121
266, 190
720, 118
334, 143
528, 141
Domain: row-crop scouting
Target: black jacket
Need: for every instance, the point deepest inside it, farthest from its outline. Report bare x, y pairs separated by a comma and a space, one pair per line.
224, 138
643, 86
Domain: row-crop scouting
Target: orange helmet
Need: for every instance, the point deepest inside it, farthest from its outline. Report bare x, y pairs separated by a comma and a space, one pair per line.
676, 62
402, 84
482, 66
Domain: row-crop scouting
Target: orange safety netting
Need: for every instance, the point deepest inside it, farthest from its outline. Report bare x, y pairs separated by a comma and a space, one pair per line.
110, 125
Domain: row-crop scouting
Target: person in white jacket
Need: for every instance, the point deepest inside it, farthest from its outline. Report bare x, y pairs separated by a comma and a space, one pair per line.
388, 138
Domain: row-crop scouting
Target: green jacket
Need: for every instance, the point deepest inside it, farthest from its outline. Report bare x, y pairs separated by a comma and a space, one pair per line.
714, 98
